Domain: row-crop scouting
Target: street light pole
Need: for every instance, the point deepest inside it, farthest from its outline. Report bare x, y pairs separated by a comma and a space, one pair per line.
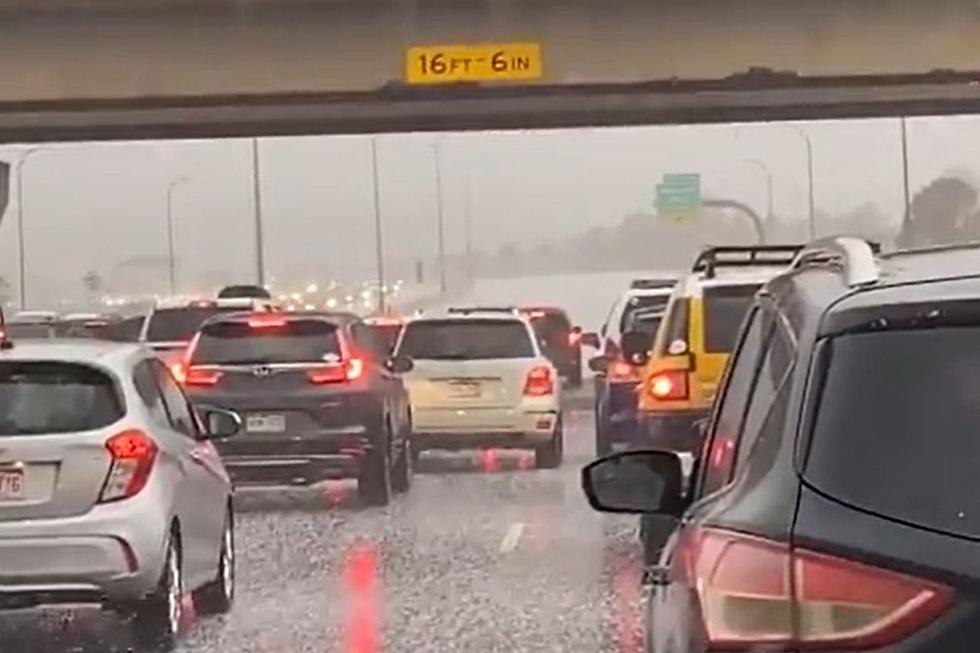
441, 227
379, 259
257, 207
468, 228
21, 251
905, 172
768, 173
171, 249
812, 219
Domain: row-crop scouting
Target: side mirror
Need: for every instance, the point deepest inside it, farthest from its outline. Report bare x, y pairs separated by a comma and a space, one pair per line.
599, 364
590, 339
219, 423
647, 482
399, 364
636, 347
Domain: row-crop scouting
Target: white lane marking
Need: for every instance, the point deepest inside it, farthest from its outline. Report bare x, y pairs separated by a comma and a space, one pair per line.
512, 538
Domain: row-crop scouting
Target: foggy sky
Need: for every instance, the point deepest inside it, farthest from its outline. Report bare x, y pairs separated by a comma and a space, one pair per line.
90, 206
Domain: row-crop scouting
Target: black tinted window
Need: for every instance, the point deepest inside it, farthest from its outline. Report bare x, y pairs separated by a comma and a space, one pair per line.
177, 324
775, 365
901, 408
144, 378
724, 310
676, 329
640, 304
291, 341
719, 457
465, 339
174, 401
552, 330
41, 397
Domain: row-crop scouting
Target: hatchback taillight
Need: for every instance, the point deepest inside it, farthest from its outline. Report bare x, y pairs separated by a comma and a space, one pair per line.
758, 594
197, 376
133, 454
349, 370
540, 382
669, 385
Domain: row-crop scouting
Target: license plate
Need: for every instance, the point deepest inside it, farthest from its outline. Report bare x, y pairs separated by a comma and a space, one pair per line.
464, 390
11, 485
265, 423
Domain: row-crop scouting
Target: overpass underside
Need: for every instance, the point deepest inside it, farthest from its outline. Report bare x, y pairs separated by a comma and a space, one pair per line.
178, 68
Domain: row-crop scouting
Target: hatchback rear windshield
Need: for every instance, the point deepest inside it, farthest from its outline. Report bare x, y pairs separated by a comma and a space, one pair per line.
724, 310
466, 339
900, 407
295, 341
641, 303
43, 397
177, 324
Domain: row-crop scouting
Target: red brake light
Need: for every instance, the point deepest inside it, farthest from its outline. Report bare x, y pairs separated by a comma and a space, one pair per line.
670, 385
574, 337
540, 382
179, 372
201, 376
756, 593
133, 454
622, 371
266, 321
349, 370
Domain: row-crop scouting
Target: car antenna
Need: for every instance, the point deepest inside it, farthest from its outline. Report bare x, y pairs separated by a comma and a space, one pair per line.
5, 343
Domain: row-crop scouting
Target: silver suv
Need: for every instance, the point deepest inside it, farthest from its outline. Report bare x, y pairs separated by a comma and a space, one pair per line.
110, 490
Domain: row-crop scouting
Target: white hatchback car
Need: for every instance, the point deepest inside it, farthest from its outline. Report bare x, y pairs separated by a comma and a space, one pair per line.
480, 380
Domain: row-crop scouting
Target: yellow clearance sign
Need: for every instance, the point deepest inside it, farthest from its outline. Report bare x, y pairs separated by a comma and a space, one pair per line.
484, 62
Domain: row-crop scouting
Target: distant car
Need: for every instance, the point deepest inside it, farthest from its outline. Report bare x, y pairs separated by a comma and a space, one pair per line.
86, 325
560, 341
480, 380
244, 291
317, 397
32, 325
111, 492
386, 329
616, 377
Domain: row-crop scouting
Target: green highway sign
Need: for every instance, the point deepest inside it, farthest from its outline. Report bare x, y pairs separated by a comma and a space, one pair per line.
679, 195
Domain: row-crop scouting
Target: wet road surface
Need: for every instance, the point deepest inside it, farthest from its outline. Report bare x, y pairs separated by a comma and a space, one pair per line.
484, 554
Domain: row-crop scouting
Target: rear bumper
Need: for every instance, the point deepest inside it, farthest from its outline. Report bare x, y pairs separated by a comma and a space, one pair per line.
113, 553
620, 412
458, 428
672, 431
295, 459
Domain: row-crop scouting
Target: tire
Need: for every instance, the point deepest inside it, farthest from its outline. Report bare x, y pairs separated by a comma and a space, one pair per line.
157, 618
374, 480
550, 454
218, 596
401, 475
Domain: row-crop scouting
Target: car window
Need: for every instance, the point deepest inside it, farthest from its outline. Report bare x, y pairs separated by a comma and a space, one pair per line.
176, 404
285, 341
127, 330
724, 310
903, 406
52, 397
676, 327
370, 340
144, 378
640, 304
776, 363
177, 324
466, 339
719, 454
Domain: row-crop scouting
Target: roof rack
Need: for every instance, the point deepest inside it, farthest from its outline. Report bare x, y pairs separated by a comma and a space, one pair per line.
466, 310
744, 256
653, 283
855, 256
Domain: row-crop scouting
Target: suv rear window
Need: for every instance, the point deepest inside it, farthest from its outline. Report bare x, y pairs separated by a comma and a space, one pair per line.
641, 303
466, 339
296, 341
552, 329
724, 310
43, 397
902, 406
177, 324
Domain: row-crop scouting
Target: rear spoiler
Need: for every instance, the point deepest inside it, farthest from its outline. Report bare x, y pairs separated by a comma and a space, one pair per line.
712, 258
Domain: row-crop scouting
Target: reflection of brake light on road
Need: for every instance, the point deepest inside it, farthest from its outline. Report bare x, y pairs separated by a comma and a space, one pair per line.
362, 579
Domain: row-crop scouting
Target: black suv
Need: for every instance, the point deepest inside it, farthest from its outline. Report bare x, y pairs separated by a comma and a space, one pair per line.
832, 507
318, 396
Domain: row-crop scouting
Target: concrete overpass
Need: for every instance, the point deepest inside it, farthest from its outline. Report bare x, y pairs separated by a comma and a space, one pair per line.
80, 69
